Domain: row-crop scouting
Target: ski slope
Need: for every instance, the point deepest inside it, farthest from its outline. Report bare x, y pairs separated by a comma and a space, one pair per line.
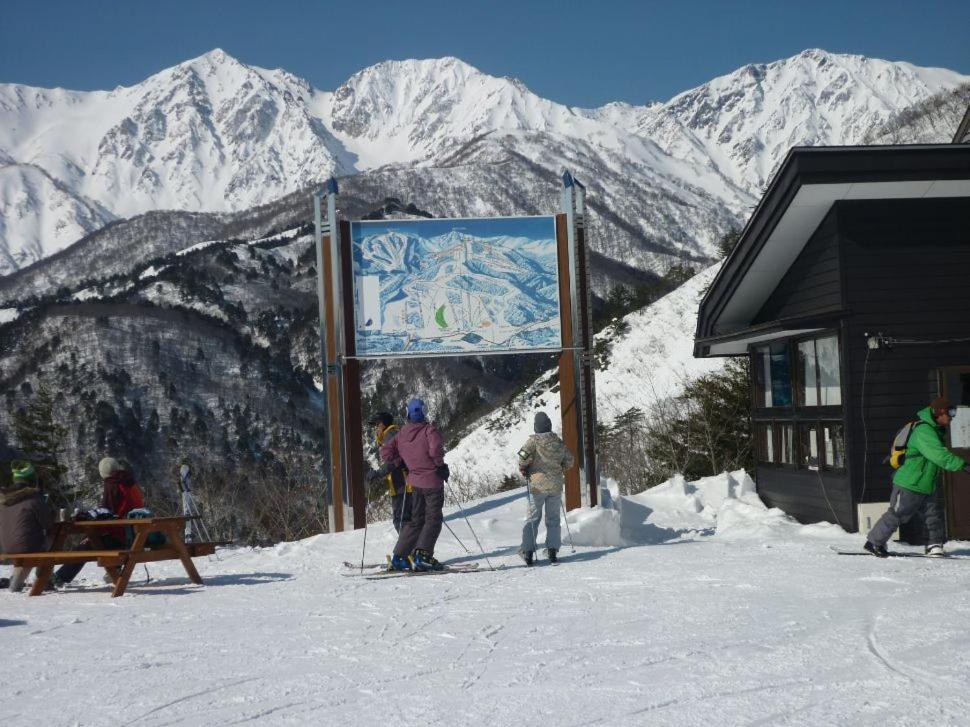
691, 604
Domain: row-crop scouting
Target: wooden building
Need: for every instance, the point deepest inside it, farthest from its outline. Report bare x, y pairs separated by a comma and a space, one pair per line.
849, 290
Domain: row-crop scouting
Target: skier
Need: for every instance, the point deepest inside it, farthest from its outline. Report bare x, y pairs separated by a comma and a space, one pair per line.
420, 448
395, 475
543, 461
120, 495
25, 518
914, 484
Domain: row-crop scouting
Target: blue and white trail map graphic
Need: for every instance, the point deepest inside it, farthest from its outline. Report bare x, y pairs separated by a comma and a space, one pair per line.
446, 286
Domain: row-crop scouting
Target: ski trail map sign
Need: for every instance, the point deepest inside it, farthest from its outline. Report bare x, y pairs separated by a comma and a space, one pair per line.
455, 286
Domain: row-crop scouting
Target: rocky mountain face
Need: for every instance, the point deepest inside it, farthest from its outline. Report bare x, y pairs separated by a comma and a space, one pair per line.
933, 121
216, 135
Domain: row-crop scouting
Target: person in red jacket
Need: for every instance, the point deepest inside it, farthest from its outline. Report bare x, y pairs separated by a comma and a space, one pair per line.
420, 448
119, 496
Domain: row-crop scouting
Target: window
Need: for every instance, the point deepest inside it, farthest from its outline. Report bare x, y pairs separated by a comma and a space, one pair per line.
819, 378
799, 381
833, 439
808, 456
774, 375
786, 443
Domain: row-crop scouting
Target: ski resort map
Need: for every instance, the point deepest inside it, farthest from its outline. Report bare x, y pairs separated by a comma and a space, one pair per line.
446, 286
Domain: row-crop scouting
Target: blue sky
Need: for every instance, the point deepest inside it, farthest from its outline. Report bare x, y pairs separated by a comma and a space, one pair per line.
583, 54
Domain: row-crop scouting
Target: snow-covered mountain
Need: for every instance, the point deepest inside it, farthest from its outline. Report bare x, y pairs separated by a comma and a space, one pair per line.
214, 134
650, 360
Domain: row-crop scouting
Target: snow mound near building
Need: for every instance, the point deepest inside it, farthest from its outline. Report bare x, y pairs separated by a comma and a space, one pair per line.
725, 506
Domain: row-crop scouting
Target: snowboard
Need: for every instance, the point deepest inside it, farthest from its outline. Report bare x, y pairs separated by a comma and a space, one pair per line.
901, 554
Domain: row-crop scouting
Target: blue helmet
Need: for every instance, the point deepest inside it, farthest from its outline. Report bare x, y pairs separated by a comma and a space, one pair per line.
416, 410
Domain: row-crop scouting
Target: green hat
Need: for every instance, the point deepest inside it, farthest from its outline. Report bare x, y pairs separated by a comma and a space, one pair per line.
22, 471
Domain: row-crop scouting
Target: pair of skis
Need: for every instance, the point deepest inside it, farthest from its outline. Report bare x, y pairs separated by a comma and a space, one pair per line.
376, 571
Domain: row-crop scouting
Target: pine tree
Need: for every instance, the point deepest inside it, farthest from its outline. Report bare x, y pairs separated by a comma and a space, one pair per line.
40, 436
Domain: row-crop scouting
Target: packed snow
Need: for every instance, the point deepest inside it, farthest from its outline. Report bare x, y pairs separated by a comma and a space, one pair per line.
689, 604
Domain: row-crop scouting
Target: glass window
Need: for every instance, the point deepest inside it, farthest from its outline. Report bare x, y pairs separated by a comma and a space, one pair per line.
819, 378
807, 374
769, 442
829, 375
808, 446
786, 444
834, 442
774, 374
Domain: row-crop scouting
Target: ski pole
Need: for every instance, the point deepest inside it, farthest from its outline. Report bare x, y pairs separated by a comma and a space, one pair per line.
568, 531
455, 536
363, 550
487, 561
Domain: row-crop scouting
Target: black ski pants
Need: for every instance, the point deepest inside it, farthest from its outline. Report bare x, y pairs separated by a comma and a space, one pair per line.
68, 572
422, 530
903, 504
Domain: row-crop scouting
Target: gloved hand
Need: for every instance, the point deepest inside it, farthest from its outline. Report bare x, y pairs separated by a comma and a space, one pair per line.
443, 472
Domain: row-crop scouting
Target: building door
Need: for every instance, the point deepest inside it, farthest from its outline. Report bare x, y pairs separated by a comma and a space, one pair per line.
955, 385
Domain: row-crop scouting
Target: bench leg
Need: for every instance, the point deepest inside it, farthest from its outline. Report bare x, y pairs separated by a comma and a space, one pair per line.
41, 579
175, 537
44, 573
121, 582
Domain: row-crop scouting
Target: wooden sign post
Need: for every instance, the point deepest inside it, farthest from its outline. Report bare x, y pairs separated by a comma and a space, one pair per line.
346, 493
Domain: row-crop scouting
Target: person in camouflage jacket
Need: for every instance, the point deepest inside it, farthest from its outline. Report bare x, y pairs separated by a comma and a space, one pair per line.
543, 461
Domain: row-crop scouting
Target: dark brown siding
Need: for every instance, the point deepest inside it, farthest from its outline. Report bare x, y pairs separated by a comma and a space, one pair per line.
802, 494
813, 283
907, 275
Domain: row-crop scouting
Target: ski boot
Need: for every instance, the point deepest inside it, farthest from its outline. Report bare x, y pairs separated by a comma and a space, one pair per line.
527, 556
935, 551
398, 563
422, 560
877, 550
553, 555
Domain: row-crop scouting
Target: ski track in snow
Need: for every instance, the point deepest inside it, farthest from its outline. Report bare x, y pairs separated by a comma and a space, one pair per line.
756, 623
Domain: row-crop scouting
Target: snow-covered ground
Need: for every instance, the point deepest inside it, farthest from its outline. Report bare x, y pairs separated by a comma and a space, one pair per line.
697, 606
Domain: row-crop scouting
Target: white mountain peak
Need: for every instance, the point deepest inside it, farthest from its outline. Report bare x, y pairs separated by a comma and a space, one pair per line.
216, 134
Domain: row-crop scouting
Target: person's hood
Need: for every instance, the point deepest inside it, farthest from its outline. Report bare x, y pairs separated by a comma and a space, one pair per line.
12, 497
926, 415
411, 431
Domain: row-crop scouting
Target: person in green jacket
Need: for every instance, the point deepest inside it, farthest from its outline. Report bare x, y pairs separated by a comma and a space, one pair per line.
914, 484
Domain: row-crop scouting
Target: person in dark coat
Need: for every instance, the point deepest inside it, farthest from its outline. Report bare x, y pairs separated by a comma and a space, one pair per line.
394, 476
420, 448
25, 518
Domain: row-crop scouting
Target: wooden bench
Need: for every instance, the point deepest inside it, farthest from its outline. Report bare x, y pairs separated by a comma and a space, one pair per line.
119, 564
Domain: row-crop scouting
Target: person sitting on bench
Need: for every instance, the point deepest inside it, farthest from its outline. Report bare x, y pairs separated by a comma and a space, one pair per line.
25, 518
120, 496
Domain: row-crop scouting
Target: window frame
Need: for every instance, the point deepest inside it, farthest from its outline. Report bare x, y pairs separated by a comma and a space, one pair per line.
799, 416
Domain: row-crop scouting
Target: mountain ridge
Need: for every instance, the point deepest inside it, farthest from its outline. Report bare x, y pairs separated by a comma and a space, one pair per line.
215, 134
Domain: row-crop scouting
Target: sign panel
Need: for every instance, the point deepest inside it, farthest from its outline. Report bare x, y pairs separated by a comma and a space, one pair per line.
455, 286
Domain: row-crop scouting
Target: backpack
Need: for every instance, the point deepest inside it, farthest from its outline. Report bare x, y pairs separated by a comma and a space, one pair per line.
155, 539
897, 455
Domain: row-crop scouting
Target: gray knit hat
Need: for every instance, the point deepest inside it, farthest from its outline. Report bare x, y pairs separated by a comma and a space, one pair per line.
108, 466
543, 423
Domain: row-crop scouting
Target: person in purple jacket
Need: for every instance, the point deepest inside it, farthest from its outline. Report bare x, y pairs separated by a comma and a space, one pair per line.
420, 448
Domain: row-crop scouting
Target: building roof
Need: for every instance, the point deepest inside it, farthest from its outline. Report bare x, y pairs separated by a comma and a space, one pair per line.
809, 182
